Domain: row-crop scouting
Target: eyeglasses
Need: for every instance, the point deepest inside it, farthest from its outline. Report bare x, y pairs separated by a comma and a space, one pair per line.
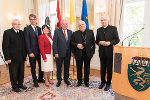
32, 19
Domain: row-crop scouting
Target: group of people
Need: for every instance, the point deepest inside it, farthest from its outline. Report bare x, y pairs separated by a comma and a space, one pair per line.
42, 47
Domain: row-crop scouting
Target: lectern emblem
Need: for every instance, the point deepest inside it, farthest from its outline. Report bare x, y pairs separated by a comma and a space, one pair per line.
139, 73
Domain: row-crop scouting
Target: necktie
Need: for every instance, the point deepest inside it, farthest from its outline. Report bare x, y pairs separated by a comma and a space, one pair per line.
65, 35
35, 30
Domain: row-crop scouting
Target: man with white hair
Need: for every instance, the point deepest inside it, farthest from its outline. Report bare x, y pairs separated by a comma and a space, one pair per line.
106, 37
83, 42
62, 51
15, 54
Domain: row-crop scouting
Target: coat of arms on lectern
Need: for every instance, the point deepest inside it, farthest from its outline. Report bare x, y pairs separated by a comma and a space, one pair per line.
139, 73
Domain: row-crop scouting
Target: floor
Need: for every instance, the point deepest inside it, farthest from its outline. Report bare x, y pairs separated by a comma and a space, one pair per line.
4, 75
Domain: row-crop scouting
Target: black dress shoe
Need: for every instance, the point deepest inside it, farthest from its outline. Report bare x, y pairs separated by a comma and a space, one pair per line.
101, 86
16, 90
79, 84
58, 83
41, 81
87, 84
23, 87
67, 82
107, 87
36, 84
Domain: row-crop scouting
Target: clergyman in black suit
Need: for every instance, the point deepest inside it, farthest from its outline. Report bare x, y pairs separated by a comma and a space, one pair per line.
62, 51
106, 38
15, 54
83, 44
31, 37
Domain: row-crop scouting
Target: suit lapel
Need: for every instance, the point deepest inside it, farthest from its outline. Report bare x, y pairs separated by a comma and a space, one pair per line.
68, 34
32, 30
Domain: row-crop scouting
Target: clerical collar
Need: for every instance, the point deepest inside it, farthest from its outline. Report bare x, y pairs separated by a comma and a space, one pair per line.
83, 31
105, 26
16, 30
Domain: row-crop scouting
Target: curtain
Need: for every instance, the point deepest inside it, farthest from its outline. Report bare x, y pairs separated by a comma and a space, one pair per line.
28, 9
43, 11
146, 32
114, 10
1, 32
1, 27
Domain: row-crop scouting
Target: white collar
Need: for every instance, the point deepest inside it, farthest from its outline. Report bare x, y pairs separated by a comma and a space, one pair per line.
16, 30
105, 26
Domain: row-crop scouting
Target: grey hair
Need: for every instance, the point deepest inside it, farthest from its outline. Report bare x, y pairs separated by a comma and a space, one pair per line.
105, 16
15, 20
81, 21
64, 19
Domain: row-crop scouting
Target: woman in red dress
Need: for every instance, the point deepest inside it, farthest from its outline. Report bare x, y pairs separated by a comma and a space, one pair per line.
45, 45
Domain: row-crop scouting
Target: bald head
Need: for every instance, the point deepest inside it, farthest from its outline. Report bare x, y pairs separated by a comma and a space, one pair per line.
82, 26
104, 20
16, 24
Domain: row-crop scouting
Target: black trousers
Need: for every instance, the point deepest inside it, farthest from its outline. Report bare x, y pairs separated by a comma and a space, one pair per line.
59, 62
79, 63
33, 67
106, 59
16, 73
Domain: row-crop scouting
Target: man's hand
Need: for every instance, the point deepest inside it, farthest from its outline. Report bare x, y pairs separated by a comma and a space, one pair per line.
8, 61
80, 46
72, 54
56, 55
102, 43
31, 55
107, 44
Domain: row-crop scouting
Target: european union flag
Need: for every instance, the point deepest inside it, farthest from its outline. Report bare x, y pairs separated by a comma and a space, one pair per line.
84, 15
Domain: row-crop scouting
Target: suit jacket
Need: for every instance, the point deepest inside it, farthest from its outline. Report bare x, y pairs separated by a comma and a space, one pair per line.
44, 45
32, 39
14, 46
78, 39
62, 46
109, 34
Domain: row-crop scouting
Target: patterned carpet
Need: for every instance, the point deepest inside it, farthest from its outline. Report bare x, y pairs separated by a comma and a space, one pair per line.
63, 92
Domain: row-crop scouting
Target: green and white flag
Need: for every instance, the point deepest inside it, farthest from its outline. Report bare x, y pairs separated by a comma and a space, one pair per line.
47, 22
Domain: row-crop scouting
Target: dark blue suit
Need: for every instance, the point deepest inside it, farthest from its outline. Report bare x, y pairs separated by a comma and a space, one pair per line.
62, 47
32, 45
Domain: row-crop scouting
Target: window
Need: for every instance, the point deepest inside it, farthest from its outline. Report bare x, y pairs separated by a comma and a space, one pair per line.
133, 19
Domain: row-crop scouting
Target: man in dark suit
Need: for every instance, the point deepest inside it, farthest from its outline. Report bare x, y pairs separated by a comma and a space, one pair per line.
31, 36
15, 54
62, 51
106, 37
83, 42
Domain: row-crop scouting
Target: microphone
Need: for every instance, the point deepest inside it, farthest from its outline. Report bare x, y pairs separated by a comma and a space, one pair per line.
131, 39
131, 36
3, 59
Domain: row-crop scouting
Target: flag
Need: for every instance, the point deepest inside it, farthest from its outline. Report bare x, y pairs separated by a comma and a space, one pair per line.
58, 24
47, 22
84, 15
72, 16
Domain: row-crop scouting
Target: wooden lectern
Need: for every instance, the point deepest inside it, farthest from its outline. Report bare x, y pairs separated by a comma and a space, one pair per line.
122, 56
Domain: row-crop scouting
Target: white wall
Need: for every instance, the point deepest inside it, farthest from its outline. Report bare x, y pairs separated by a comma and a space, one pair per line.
146, 32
